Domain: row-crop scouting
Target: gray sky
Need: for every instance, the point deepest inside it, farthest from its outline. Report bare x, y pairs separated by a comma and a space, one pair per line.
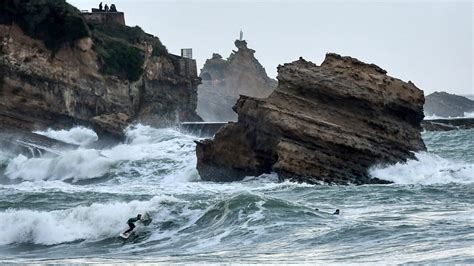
429, 43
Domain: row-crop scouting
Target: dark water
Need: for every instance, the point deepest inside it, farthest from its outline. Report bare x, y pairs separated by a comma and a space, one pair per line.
71, 208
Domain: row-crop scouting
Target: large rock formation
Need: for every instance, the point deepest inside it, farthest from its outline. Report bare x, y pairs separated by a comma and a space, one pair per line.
56, 70
447, 105
323, 123
223, 81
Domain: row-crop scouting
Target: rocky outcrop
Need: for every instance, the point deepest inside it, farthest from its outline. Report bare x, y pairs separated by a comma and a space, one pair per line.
327, 123
443, 104
106, 80
447, 124
223, 81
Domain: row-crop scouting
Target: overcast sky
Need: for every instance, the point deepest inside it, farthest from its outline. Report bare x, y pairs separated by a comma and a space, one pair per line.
429, 43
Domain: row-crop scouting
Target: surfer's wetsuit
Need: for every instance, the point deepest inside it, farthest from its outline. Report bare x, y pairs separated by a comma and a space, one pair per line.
131, 224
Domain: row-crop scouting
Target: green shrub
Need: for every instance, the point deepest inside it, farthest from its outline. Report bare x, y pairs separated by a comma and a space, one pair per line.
119, 58
134, 35
116, 47
53, 21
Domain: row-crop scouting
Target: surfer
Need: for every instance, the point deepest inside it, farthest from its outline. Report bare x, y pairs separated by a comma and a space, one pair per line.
131, 223
336, 212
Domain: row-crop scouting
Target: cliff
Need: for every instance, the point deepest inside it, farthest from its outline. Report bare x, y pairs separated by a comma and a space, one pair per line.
56, 70
223, 81
447, 105
325, 123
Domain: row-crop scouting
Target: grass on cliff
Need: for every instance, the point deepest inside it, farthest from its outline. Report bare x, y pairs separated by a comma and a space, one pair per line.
116, 46
133, 35
55, 22
118, 58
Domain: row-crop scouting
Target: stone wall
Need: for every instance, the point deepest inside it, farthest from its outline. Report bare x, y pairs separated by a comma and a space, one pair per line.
105, 17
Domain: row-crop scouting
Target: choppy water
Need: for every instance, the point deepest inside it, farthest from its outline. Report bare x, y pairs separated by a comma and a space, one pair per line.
71, 207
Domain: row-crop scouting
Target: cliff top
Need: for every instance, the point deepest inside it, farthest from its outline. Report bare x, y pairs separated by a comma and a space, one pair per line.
54, 22
337, 69
119, 48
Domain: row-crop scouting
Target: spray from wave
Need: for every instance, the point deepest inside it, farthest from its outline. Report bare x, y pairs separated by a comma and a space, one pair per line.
94, 222
81, 136
167, 152
143, 143
42, 217
428, 169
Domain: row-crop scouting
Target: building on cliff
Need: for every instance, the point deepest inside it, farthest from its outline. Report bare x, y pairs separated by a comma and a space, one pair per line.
102, 17
223, 81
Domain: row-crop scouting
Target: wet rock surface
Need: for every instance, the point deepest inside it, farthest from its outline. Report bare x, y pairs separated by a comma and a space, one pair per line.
327, 123
40, 88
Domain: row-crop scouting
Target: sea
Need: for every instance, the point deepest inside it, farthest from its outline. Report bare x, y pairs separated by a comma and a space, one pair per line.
70, 205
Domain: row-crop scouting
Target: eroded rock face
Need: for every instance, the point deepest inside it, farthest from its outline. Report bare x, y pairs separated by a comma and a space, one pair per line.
223, 81
39, 89
447, 105
323, 123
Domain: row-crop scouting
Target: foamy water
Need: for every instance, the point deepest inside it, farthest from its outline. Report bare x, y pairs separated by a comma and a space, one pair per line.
71, 205
78, 135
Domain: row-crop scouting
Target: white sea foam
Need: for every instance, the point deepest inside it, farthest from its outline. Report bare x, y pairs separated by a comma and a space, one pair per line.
81, 136
94, 222
4, 157
427, 169
74, 164
434, 116
469, 114
175, 150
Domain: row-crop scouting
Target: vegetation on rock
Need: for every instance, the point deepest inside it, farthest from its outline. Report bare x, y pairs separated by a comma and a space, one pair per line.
116, 46
133, 35
55, 22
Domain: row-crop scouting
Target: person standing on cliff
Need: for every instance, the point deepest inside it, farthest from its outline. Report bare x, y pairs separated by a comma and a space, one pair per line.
100, 6
106, 8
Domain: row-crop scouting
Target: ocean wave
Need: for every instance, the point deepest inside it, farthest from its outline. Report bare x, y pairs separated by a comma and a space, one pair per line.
193, 225
427, 169
81, 136
94, 222
70, 165
168, 150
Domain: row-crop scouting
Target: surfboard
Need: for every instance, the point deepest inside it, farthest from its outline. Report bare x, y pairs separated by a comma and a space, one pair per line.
124, 236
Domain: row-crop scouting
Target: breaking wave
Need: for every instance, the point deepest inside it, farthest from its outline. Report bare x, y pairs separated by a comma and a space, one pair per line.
94, 222
81, 136
434, 116
142, 143
258, 219
427, 169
